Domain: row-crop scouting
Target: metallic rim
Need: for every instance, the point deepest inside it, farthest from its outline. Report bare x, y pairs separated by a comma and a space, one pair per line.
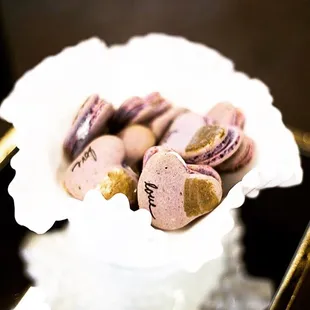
302, 139
7, 146
298, 271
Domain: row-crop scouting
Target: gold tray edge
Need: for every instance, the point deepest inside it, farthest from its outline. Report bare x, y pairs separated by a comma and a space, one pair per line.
292, 281
7, 146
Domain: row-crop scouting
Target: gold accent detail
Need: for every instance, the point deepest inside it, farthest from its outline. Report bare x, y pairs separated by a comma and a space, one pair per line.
205, 136
7, 145
299, 269
119, 181
199, 197
302, 139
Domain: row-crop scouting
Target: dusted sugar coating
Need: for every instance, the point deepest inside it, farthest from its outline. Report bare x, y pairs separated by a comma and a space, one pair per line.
174, 195
224, 113
241, 158
137, 139
90, 121
160, 124
91, 168
213, 148
182, 131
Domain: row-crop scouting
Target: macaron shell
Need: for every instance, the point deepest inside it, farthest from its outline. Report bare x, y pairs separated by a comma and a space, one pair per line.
97, 126
90, 167
90, 121
181, 131
241, 158
224, 113
153, 150
128, 110
204, 169
154, 105
240, 119
160, 124
172, 195
137, 139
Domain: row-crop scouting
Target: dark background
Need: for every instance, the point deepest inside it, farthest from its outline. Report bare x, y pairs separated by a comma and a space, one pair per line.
267, 39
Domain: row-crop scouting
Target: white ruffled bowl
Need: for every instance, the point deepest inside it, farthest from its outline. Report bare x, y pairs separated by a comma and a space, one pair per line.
41, 108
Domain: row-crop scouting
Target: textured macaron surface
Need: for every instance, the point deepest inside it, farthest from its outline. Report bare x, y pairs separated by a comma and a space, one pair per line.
172, 194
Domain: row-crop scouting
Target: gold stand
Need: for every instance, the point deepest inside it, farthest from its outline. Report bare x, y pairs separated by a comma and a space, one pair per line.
291, 293
7, 147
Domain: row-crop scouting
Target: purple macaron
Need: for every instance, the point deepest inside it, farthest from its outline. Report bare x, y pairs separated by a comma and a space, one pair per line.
101, 165
212, 144
175, 193
90, 121
241, 158
181, 131
224, 113
138, 110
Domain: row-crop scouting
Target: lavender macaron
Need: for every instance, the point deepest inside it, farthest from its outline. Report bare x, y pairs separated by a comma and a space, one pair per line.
100, 165
224, 113
176, 194
212, 145
182, 131
241, 158
137, 110
90, 121
161, 123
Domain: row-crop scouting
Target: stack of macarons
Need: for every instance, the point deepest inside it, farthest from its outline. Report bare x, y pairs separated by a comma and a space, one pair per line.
164, 158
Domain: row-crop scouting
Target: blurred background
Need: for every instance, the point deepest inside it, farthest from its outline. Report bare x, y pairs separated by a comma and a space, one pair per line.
266, 39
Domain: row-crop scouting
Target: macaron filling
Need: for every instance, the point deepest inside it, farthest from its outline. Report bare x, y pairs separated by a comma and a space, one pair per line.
84, 124
127, 111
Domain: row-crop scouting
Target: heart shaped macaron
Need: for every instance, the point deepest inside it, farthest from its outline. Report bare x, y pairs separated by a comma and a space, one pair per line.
174, 193
181, 131
153, 150
224, 113
212, 144
100, 165
90, 121
138, 110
